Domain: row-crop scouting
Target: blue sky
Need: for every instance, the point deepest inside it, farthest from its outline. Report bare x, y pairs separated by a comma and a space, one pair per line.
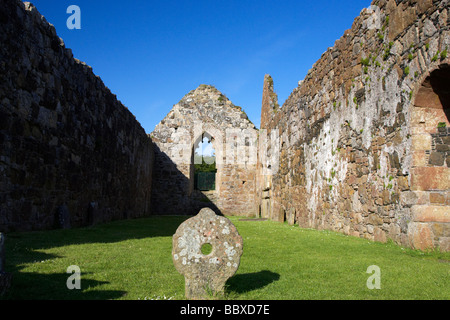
152, 53
205, 148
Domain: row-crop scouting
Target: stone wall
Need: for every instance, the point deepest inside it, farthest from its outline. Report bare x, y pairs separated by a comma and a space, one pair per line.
361, 146
70, 153
205, 111
361, 151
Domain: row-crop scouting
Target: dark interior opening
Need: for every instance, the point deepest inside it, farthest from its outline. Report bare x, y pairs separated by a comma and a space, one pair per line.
435, 90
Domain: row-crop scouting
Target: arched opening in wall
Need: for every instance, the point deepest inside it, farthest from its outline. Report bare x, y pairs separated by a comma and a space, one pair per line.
430, 170
205, 164
434, 97
430, 120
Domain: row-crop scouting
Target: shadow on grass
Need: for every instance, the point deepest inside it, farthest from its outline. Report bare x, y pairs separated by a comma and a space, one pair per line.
242, 283
53, 287
111, 232
23, 248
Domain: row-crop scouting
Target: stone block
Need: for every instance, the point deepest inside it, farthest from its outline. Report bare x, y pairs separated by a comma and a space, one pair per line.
436, 159
379, 235
375, 220
424, 5
394, 230
421, 142
423, 197
291, 216
386, 195
419, 159
440, 230
442, 148
437, 198
403, 183
444, 244
265, 208
430, 213
279, 215
420, 236
430, 178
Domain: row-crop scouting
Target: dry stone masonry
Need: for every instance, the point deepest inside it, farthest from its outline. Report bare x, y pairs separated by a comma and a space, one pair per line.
70, 153
206, 275
205, 111
361, 146
364, 137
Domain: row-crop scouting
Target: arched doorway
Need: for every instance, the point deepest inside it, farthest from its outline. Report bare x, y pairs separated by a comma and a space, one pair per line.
205, 172
430, 171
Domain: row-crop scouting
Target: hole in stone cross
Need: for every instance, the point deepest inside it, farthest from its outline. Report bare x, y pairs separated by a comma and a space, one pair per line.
206, 249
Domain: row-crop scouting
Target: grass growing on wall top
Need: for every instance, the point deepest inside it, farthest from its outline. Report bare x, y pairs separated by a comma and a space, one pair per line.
132, 260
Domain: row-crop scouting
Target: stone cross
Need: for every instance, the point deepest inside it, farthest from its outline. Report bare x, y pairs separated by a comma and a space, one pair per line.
205, 274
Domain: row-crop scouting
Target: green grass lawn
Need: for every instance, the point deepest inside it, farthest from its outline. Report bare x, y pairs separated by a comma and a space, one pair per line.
132, 259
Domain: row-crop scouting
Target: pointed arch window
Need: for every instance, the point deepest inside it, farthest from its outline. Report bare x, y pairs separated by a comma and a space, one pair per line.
205, 164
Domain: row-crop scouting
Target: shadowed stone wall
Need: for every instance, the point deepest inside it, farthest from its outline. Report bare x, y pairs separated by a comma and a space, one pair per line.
70, 153
360, 148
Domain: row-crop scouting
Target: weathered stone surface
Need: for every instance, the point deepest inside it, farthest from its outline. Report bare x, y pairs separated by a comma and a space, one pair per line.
421, 142
5, 277
205, 112
64, 137
430, 213
291, 216
437, 159
421, 236
438, 198
379, 235
430, 178
205, 275
444, 244
359, 133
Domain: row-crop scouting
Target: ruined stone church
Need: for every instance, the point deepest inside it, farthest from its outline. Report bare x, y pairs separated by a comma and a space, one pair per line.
361, 146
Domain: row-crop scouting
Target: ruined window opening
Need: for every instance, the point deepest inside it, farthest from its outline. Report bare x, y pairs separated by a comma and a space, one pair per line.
205, 165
